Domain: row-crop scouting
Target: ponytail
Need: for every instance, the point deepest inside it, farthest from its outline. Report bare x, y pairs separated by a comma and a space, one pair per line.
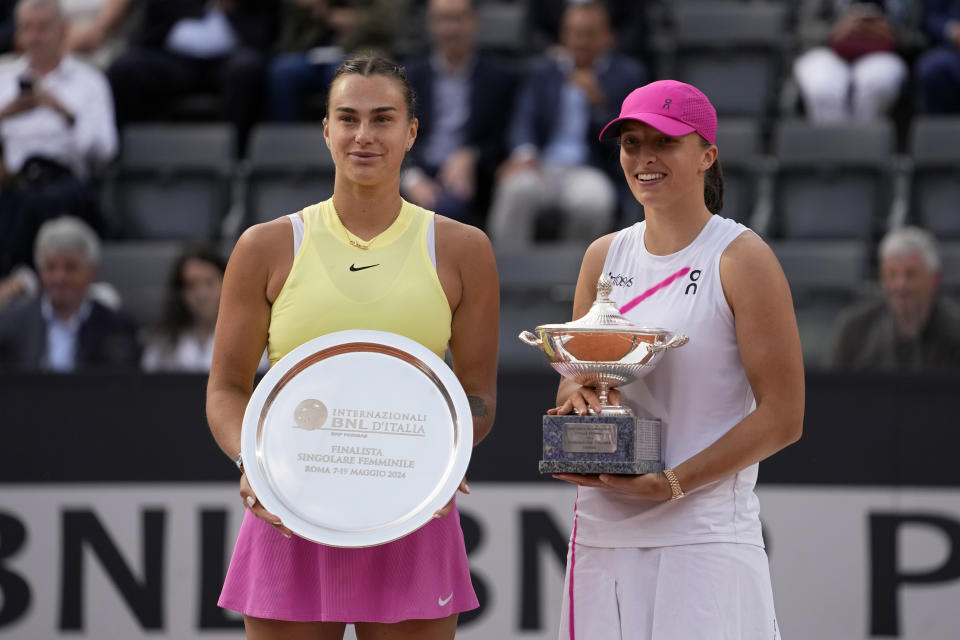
713, 187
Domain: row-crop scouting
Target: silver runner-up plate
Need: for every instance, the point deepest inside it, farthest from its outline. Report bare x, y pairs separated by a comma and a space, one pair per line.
357, 437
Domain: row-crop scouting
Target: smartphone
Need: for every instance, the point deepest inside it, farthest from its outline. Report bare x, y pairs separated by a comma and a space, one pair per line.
26, 84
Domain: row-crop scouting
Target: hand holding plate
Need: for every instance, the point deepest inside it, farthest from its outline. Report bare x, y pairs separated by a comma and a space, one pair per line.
447, 508
250, 502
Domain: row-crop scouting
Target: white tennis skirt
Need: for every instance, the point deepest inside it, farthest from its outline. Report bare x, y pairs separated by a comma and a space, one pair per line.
710, 591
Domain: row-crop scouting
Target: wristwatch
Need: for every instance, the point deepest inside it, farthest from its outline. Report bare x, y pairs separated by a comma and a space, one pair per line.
675, 490
239, 461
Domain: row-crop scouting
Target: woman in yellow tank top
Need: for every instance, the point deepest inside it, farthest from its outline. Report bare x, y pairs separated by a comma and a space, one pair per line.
365, 261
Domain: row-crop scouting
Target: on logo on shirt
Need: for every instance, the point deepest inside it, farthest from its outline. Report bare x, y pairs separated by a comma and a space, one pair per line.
692, 285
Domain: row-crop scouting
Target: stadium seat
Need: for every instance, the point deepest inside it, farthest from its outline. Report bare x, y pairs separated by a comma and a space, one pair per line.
824, 277
832, 181
732, 51
935, 151
950, 267
172, 181
289, 167
500, 28
536, 287
740, 159
139, 271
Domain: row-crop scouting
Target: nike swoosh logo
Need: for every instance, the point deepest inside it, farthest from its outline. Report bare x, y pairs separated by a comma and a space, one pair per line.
443, 601
369, 266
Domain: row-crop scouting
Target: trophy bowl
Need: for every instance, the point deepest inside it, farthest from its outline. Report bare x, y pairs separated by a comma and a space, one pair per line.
603, 350
604, 358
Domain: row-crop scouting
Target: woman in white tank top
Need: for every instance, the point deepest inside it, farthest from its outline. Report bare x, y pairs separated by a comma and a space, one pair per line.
679, 554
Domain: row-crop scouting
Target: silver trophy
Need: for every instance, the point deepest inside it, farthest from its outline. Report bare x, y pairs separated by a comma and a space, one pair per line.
603, 350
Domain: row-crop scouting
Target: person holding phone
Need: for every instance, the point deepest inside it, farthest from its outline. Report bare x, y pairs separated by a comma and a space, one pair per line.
56, 126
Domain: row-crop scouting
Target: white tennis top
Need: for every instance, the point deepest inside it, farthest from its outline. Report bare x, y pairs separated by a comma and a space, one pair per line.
699, 391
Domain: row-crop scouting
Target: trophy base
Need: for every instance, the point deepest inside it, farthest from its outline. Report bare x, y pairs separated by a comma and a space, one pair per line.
617, 444
624, 468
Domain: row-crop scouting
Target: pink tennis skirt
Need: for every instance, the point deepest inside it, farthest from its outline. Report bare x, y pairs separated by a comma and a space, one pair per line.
423, 575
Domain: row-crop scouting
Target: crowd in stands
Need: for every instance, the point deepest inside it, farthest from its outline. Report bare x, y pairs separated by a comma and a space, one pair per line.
509, 116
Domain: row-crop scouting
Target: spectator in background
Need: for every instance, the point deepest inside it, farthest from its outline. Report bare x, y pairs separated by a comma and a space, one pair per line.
912, 328
629, 19
65, 329
315, 35
854, 71
190, 46
183, 338
938, 70
98, 28
56, 126
465, 98
556, 160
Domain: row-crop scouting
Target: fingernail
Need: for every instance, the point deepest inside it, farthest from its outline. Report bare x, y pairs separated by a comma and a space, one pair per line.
278, 522
466, 488
251, 501
285, 535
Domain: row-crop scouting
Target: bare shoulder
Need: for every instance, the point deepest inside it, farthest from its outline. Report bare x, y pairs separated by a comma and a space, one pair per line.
264, 254
595, 256
590, 270
600, 247
262, 241
462, 243
748, 267
460, 234
746, 254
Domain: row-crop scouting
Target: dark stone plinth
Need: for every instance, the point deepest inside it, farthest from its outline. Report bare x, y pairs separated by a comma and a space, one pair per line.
586, 467
599, 444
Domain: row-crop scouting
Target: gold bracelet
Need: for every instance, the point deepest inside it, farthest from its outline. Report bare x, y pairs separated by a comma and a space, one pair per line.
675, 490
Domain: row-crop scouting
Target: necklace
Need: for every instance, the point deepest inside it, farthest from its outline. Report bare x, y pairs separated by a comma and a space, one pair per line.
355, 241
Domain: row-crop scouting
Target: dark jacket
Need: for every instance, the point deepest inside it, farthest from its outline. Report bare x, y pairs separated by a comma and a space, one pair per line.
493, 87
936, 15
106, 339
867, 341
255, 21
538, 106
628, 18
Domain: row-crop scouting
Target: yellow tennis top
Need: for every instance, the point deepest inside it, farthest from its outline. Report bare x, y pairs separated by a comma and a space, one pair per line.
333, 285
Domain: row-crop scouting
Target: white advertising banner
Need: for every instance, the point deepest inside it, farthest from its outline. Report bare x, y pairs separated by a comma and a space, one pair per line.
145, 561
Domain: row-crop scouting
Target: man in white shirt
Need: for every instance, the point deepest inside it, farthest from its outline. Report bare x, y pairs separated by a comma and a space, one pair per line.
56, 125
190, 47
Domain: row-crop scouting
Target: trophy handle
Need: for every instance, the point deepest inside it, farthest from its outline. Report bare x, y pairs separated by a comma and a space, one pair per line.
677, 340
530, 338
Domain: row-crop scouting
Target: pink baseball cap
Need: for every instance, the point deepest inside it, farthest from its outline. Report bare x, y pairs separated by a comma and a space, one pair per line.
675, 108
